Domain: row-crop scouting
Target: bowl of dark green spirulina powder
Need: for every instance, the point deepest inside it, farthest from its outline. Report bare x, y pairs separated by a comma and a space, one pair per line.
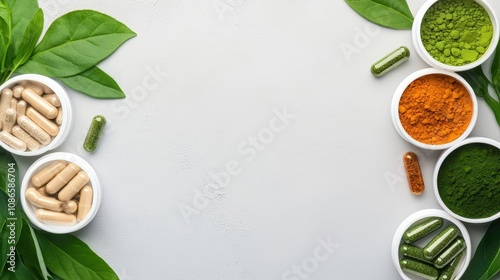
455, 35
467, 180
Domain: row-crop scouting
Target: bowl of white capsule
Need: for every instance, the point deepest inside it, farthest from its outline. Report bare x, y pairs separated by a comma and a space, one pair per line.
36, 115
60, 193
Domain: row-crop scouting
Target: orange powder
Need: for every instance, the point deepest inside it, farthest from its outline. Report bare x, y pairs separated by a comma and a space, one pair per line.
435, 109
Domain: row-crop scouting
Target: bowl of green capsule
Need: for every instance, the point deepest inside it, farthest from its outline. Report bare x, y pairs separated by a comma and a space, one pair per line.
431, 244
455, 35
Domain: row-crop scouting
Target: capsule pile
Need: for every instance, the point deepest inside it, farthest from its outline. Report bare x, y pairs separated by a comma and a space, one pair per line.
61, 192
30, 115
437, 258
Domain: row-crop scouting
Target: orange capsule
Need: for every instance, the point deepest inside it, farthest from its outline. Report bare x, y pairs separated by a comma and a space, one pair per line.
413, 173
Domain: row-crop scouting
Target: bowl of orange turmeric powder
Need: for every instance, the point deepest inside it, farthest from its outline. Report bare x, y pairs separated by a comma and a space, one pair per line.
434, 109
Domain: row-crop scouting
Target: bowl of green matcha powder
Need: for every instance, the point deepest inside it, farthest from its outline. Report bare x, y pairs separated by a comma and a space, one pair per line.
467, 180
455, 35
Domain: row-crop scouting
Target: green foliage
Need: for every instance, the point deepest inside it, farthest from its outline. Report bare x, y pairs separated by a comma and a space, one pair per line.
389, 13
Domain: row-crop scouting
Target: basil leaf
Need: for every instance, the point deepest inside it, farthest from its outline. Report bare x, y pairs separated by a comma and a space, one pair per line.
22, 12
75, 42
495, 70
486, 261
5, 34
29, 39
389, 13
69, 258
96, 83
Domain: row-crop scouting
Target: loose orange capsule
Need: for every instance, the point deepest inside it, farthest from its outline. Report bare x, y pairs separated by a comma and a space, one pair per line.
413, 173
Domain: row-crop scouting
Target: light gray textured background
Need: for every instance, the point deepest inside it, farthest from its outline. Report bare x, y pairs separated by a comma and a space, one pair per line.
203, 78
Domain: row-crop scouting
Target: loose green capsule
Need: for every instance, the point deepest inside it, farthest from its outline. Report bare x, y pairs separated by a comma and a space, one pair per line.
418, 268
413, 252
440, 242
455, 248
390, 61
94, 133
422, 229
448, 272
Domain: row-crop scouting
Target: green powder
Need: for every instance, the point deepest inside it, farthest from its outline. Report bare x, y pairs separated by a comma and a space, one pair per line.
469, 181
456, 32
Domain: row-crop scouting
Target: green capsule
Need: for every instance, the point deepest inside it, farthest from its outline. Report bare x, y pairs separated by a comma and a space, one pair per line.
418, 268
413, 252
448, 272
440, 242
422, 229
390, 61
455, 248
94, 133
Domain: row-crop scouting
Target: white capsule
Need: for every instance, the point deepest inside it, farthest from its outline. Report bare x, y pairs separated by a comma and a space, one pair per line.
34, 130
13, 142
59, 118
13, 103
20, 133
9, 119
5, 99
17, 91
21, 107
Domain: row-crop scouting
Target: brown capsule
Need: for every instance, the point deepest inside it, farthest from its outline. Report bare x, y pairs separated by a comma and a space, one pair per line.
13, 142
47, 125
413, 173
41, 201
20, 133
9, 120
74, 186
41, 105
62, 178
34, 130
6, 96
53, 99
21, 108
48, 173
17, 91
70, 207
85, 202
53, 217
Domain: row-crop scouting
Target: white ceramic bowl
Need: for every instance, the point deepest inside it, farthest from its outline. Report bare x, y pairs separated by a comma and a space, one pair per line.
436, 173
67, 122
421, 215
422, 52
399, 92
31, 209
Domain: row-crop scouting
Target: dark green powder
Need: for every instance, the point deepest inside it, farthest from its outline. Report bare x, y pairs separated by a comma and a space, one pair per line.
469, 181
456, 32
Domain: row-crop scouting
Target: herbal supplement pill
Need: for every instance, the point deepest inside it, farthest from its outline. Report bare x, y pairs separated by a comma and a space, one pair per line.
421, 269
74, 186
17, 91
41, 201
413, 252
21, 107
53, 217
40, 104
85, 202
94, 133
440, 242
9, 120
48, 173
13, 103
34, 130
59, 118
47, 125
413, 173
5, 98
70, 207
62, 178
448, 271
35, 87
422, 229
31, 143
390, 61
43, 191
455, 248
13, 142
53, 99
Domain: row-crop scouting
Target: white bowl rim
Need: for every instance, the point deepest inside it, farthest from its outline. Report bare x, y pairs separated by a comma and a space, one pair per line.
442, 157
419, 47
64, 97
46, 160
399, 92
427, 213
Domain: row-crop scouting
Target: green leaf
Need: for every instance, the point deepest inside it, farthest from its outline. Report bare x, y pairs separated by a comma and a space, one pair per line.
96, 83
477, 80
75, 42
389, 13
495, 71
5, 34
29, 39
20, 272
30, 252
486, 261
70, 258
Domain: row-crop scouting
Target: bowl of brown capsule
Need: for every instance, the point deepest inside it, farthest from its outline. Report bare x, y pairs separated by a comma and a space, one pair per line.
60, 193
35, 115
